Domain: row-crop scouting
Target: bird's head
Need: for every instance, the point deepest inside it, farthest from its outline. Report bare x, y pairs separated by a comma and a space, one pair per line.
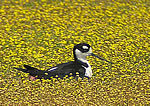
82, 50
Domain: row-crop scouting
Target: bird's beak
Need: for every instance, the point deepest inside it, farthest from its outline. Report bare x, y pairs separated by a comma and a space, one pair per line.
101, 58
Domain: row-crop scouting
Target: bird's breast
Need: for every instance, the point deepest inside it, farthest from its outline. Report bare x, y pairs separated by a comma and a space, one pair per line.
88, 71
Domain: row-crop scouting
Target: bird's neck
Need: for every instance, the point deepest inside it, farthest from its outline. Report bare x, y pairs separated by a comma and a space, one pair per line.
85, 63
84, 60
80, 57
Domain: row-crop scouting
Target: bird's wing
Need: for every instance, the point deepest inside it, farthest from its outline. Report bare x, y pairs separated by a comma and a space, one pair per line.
60, 70
32, 71
68, 69
59, 66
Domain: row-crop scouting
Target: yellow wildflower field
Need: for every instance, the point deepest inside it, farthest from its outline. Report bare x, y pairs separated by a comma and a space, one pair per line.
42, 33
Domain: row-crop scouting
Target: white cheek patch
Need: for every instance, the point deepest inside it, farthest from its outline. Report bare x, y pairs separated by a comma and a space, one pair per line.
78, 52
82, 56
85, 47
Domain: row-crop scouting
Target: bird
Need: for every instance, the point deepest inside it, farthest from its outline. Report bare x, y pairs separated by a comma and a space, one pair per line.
80, 66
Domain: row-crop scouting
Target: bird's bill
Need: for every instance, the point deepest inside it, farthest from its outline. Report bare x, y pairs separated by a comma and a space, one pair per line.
101, 58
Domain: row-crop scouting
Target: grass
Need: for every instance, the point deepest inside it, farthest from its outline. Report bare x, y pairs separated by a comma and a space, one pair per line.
42, 34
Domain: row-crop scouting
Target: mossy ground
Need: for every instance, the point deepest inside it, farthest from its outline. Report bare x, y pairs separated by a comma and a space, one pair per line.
42, 33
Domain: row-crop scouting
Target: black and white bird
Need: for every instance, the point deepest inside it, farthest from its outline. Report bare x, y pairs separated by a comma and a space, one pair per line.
80, 65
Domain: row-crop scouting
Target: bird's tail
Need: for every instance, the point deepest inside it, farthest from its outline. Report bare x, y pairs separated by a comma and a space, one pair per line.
27, 69
32, 71
21, 69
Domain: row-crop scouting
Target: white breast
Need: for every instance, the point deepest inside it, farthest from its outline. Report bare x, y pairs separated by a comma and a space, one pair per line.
88, 71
